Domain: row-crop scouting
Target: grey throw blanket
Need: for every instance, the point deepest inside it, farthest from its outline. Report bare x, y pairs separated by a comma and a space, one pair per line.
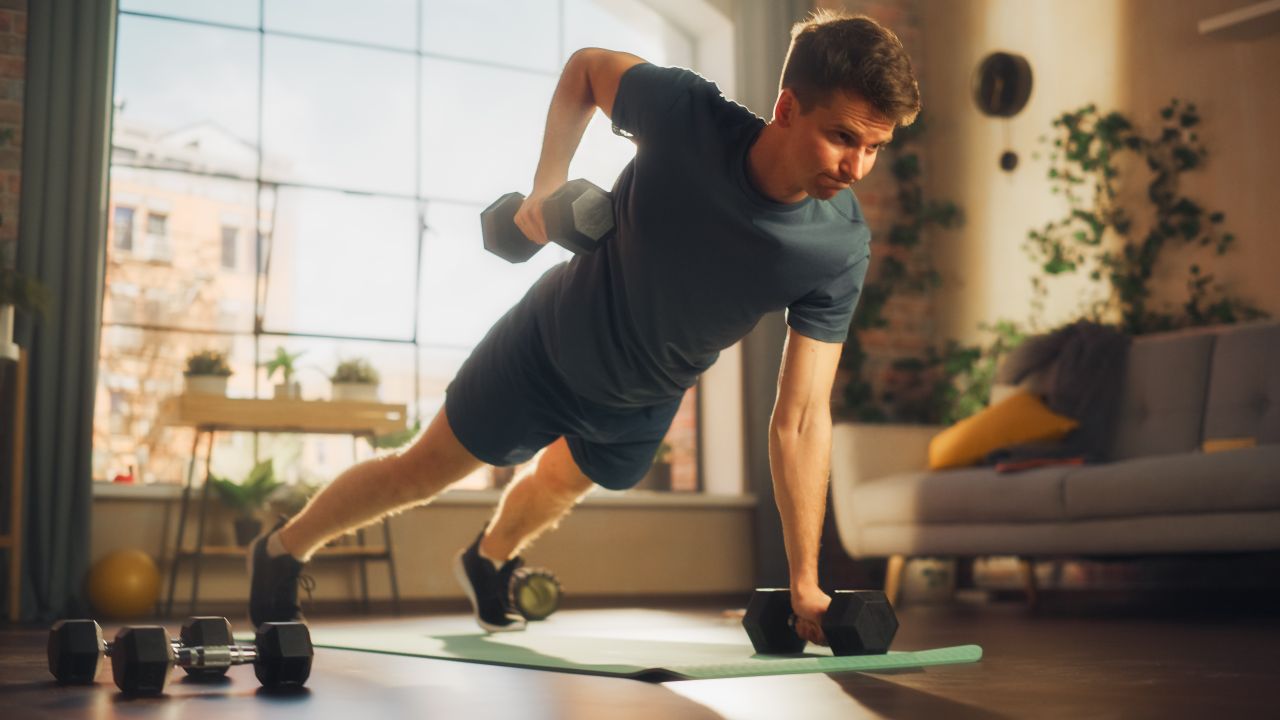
1086, 364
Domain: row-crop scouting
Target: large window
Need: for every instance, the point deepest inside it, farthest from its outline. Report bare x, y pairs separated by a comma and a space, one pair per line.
308, 174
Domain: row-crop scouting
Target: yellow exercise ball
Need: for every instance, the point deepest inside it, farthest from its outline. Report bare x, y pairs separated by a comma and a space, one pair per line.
124, 584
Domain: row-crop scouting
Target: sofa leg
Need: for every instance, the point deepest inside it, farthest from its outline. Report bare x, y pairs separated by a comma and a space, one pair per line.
893, 577
1029, 582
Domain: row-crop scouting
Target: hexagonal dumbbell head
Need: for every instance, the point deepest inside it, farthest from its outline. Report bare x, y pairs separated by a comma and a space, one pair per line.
211, 633
75, 651
579, 216
768, 622
499, 231
860, 622
284, 654
141, 658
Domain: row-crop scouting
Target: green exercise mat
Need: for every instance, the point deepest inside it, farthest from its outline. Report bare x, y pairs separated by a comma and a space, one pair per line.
641, 644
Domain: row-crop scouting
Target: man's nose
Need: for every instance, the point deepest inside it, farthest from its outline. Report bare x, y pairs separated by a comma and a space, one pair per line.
854, 166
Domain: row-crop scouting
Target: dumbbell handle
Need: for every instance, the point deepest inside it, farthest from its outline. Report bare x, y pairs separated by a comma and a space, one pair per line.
211, 656
214, 656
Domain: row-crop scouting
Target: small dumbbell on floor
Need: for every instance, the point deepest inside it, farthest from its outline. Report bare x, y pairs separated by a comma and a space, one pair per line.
858, 622
534, 592
141, 657
578, 216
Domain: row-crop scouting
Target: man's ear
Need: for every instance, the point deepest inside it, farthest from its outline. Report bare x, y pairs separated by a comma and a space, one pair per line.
786, 108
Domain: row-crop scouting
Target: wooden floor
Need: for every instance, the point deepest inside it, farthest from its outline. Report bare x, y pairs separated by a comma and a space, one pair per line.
1036, 665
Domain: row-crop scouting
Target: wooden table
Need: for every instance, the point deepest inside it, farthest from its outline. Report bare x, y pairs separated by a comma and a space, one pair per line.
209, 414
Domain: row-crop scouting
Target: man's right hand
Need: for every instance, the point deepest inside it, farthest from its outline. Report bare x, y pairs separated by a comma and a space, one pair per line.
529, 217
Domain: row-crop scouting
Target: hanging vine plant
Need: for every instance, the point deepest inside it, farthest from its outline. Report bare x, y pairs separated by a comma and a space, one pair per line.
1089, 148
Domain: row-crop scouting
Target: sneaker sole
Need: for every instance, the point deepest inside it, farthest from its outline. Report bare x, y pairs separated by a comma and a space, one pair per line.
460, 573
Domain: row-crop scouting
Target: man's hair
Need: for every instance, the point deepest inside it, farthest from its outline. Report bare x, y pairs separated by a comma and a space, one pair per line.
833, 53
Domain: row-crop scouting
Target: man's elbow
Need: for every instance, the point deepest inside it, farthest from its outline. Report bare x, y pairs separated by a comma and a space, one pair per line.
788, 423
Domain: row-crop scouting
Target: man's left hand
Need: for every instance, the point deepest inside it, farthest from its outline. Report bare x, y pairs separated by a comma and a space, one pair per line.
810, 606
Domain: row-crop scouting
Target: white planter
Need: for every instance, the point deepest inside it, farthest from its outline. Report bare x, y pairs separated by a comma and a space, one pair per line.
7, 348
355, 392
291, 391
205, 384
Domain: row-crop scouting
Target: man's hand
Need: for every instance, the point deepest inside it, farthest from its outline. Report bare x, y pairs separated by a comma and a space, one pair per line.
529, 217
810, 607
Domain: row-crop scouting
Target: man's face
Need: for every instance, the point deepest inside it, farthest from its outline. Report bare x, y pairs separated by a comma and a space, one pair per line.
833, 145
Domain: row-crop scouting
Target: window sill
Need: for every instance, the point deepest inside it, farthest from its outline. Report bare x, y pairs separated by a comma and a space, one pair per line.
468, 498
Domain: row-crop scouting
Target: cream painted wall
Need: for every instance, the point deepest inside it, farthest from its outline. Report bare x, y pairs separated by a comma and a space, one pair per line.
604, 548
1129, 55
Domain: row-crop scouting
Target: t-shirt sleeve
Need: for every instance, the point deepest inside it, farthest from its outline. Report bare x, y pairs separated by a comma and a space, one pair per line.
824, 314
648, 99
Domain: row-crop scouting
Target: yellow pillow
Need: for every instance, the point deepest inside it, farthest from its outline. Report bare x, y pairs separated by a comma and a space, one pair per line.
1224, 444
1017, 419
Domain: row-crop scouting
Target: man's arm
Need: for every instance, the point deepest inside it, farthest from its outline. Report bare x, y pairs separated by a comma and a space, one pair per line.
589, 80
800, 458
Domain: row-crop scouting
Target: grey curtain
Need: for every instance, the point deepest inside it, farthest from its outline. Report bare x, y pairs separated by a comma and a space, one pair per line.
762, 36
66, 124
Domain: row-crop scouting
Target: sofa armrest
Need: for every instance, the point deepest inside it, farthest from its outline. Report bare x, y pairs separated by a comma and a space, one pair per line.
867, 452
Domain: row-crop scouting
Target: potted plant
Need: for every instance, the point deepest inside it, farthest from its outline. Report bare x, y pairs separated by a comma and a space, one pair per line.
355, 380
17, 291
207, 373
246, 499
287, 388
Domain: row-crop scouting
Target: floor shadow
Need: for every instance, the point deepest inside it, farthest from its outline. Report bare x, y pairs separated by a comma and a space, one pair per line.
892, 700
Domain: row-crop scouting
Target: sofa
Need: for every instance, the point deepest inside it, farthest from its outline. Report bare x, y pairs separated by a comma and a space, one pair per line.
1158, 493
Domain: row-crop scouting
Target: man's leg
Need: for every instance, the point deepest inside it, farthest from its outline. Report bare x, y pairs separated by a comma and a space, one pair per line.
535, 503
362, 494
368, 491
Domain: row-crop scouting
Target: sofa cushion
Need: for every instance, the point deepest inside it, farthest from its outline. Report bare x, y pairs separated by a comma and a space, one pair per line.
1162, 406
1240, 480
1020, 418
1244, 384
961, 496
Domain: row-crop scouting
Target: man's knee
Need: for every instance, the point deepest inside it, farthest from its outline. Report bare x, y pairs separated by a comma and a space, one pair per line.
436, 452
559, 472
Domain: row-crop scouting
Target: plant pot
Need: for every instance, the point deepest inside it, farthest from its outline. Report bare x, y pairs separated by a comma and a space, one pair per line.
247, 528
290, 391
7, 348
205, 384
658, 478
355, 392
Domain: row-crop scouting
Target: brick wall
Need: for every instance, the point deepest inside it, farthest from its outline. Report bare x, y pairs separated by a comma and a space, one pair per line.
13, 72
910, 316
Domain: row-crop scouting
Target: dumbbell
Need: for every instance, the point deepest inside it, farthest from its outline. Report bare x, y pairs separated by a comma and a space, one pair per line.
578, 216
141, 657
858, 622
535, 592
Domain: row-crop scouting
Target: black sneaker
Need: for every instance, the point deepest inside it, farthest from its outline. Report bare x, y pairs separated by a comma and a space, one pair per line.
488, 589
273, 587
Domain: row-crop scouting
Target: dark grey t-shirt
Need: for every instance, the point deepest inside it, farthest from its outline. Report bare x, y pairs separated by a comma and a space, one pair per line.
699, 255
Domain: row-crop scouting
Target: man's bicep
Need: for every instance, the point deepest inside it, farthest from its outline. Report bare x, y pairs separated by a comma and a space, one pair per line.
605, 69
806, 378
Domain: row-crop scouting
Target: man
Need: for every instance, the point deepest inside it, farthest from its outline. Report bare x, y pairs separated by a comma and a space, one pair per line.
721, 218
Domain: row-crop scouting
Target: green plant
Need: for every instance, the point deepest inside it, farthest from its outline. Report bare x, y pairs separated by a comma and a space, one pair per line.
356, 370
289, 499
969, 371
250, 496
398, 438
1089, 152
23, 292
663, 453
282, 362
208, 362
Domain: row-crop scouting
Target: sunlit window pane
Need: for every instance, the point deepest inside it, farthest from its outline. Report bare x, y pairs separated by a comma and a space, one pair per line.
232, 12
188, 89
520, 33
338, 116
465, 288
171, 273
482, 129
340, 264
386, 23
626, 25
